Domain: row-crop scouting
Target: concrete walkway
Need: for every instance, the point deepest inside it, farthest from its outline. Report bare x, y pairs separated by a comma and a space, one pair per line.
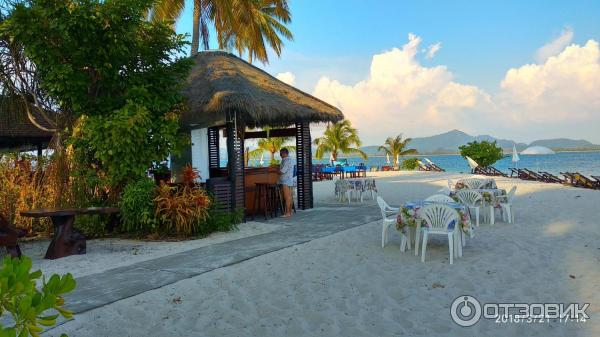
100, 289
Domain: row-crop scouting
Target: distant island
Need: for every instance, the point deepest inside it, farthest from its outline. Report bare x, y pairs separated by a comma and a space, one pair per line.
448, 143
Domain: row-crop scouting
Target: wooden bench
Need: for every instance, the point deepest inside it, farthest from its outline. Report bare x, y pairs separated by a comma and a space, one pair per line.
9, 237
67, 240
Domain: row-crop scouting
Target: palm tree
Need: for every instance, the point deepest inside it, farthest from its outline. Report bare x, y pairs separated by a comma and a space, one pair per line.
259, 22
204, 12
394, 146
271, 145
339, 137
240, 24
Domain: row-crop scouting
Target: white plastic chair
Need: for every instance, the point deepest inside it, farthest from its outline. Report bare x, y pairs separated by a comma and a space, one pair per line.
342, 188
506, 202
451, 185
439, 198
444, 191
371, 186
388, 218
473, 184
441, 220
471, 199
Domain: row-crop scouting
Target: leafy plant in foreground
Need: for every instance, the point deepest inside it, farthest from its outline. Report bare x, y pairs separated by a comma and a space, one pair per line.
27, 305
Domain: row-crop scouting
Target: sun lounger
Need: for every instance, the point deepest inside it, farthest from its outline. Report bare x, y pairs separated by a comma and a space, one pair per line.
551, 178
533, 175
579, 180
585, 181
495, 172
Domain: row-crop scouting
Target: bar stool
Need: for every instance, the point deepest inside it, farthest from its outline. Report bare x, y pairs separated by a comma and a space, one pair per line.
276, 199
261, 198
269, 198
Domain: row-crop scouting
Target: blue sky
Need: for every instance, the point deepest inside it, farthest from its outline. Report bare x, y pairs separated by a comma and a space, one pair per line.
480, 42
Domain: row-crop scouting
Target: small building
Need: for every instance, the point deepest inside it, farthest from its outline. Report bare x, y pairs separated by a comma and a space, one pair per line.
20, 131
227, 94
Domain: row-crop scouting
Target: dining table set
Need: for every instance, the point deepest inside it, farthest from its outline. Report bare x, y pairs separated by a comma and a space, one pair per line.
490, 193
355, 187
410, 224
449, 212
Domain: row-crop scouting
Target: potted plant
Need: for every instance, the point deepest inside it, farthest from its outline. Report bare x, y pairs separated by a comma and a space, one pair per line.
161, 173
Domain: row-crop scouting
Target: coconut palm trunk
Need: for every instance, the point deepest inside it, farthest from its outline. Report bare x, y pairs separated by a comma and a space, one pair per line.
196, 28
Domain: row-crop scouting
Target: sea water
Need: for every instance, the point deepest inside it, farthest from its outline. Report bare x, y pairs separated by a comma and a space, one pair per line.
587, 163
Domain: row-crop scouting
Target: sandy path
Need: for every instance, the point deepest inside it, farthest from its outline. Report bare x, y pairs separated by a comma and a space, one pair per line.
346, 285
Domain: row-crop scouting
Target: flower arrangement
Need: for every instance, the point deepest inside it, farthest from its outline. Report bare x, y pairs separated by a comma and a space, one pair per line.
460, 186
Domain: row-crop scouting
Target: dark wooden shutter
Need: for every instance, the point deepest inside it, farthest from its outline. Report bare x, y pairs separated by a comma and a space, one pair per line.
220, 189
235, 150
304, 165
214, 158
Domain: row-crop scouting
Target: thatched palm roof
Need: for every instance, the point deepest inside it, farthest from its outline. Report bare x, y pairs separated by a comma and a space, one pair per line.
220, 83
16, 130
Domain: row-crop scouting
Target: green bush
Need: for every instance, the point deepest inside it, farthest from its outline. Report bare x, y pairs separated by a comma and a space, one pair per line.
115, 74
91, 226
220, 221
27, 305
484, 153
137, 207
410, 164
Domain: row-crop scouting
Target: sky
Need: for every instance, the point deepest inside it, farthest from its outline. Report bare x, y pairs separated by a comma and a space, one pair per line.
520, 70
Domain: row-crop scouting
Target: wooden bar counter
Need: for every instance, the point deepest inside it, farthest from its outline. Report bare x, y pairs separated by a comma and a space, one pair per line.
255, 175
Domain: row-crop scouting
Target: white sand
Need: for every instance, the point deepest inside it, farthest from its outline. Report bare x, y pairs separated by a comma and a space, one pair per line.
104, 254
347, 285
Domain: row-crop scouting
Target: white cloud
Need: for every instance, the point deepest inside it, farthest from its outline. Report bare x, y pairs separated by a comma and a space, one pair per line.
555, 46
401, 95
287, 77
565, 87
432, 50
557, 98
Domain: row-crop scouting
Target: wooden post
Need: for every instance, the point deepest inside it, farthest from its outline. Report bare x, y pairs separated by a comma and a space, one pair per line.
40, 148
304, 165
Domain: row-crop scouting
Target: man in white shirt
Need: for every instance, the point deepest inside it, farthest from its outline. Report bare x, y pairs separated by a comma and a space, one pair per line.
286, 180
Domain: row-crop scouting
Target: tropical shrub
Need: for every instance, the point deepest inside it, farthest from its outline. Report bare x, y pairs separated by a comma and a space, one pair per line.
189, 175
22, 187
31, 307
181, 210
137, 207
410, 164
484, 153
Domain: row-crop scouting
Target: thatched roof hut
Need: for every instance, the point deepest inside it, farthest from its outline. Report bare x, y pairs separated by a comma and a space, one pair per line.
16, 129
220, 83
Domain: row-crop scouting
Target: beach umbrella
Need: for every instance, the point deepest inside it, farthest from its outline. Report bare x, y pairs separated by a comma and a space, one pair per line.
515, 156
261, 159
388, 158
472, 164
